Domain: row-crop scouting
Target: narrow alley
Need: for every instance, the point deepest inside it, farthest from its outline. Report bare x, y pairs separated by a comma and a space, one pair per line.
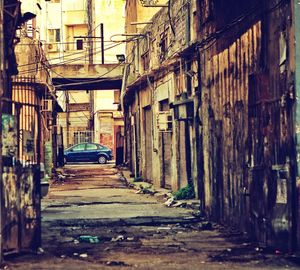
149, 134
92, 220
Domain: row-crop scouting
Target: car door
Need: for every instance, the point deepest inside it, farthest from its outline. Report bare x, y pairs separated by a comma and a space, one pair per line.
77, 153
92, 151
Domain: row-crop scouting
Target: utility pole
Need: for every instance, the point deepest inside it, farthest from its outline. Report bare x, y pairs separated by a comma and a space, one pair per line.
68, 117
2, 89
90, 13
102, 42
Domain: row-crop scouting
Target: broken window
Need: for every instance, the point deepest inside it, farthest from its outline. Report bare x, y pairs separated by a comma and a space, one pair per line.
163, 44
146, 61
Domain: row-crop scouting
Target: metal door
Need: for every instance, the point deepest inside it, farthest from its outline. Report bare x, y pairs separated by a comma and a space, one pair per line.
166, 151
148, 143
21, 136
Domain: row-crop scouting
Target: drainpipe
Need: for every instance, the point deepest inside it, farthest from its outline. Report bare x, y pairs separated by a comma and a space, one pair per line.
199, 136
296, 176
188, 24
2, 87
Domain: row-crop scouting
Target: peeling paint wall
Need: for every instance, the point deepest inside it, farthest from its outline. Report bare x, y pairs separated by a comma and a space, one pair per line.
155, 153
247, 104
238, 79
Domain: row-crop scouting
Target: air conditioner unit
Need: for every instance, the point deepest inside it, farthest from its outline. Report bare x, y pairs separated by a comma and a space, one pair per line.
53, 47
164, 121
47, 105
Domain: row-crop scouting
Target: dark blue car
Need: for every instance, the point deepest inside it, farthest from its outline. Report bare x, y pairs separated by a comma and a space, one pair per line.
93, 152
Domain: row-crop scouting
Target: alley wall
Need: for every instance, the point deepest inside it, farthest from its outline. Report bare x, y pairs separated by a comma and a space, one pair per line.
223, 72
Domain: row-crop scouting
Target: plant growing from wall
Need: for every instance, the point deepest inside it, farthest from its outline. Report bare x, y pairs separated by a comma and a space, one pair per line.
185, 193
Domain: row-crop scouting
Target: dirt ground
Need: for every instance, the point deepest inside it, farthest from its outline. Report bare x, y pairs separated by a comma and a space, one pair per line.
133, 231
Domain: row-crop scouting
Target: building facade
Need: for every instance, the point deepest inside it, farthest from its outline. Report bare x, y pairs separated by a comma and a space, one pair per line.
209, 102
81, 35
25, 131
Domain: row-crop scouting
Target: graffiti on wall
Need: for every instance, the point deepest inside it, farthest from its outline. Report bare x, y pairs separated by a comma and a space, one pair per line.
28, 143
9, 136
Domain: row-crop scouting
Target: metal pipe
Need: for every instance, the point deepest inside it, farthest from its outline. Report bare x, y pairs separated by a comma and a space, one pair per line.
136, 23
102, 42
2, 82
155, 5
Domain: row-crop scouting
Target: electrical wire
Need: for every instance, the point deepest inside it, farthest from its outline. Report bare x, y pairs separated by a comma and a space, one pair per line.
216, 35
69, 60
68, 55
60, 63
76, 103
99, 78
64, 43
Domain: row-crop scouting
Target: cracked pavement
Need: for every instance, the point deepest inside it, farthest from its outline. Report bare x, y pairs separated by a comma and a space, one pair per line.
133, 231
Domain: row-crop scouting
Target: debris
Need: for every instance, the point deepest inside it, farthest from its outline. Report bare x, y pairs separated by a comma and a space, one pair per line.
40, 251
197, 213
169, 202
76, 242
63, 256
179, 204
130, 238
118, 238
83, 255
75, 254
229, 249
277, 252
115, 263
257, 249
61, 177
206, 226
107, 249
89, 239
163, 228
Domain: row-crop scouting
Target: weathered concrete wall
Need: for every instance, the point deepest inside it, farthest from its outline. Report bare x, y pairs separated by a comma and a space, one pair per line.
246, 104
157, 77
82, 71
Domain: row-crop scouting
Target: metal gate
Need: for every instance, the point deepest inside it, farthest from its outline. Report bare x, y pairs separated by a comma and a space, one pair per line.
21, 137
270, 152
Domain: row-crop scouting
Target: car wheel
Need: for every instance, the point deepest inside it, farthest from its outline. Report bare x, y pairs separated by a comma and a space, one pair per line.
102, 160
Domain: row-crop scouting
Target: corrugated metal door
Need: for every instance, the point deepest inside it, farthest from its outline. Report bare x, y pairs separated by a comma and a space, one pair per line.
21, 173
148, 143
166, 143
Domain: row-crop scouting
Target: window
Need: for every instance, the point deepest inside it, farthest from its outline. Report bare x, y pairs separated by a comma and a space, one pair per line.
90, 146
146, 61
79, 44
83, 136
188, 76
163, 46
54, 35
79, 147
